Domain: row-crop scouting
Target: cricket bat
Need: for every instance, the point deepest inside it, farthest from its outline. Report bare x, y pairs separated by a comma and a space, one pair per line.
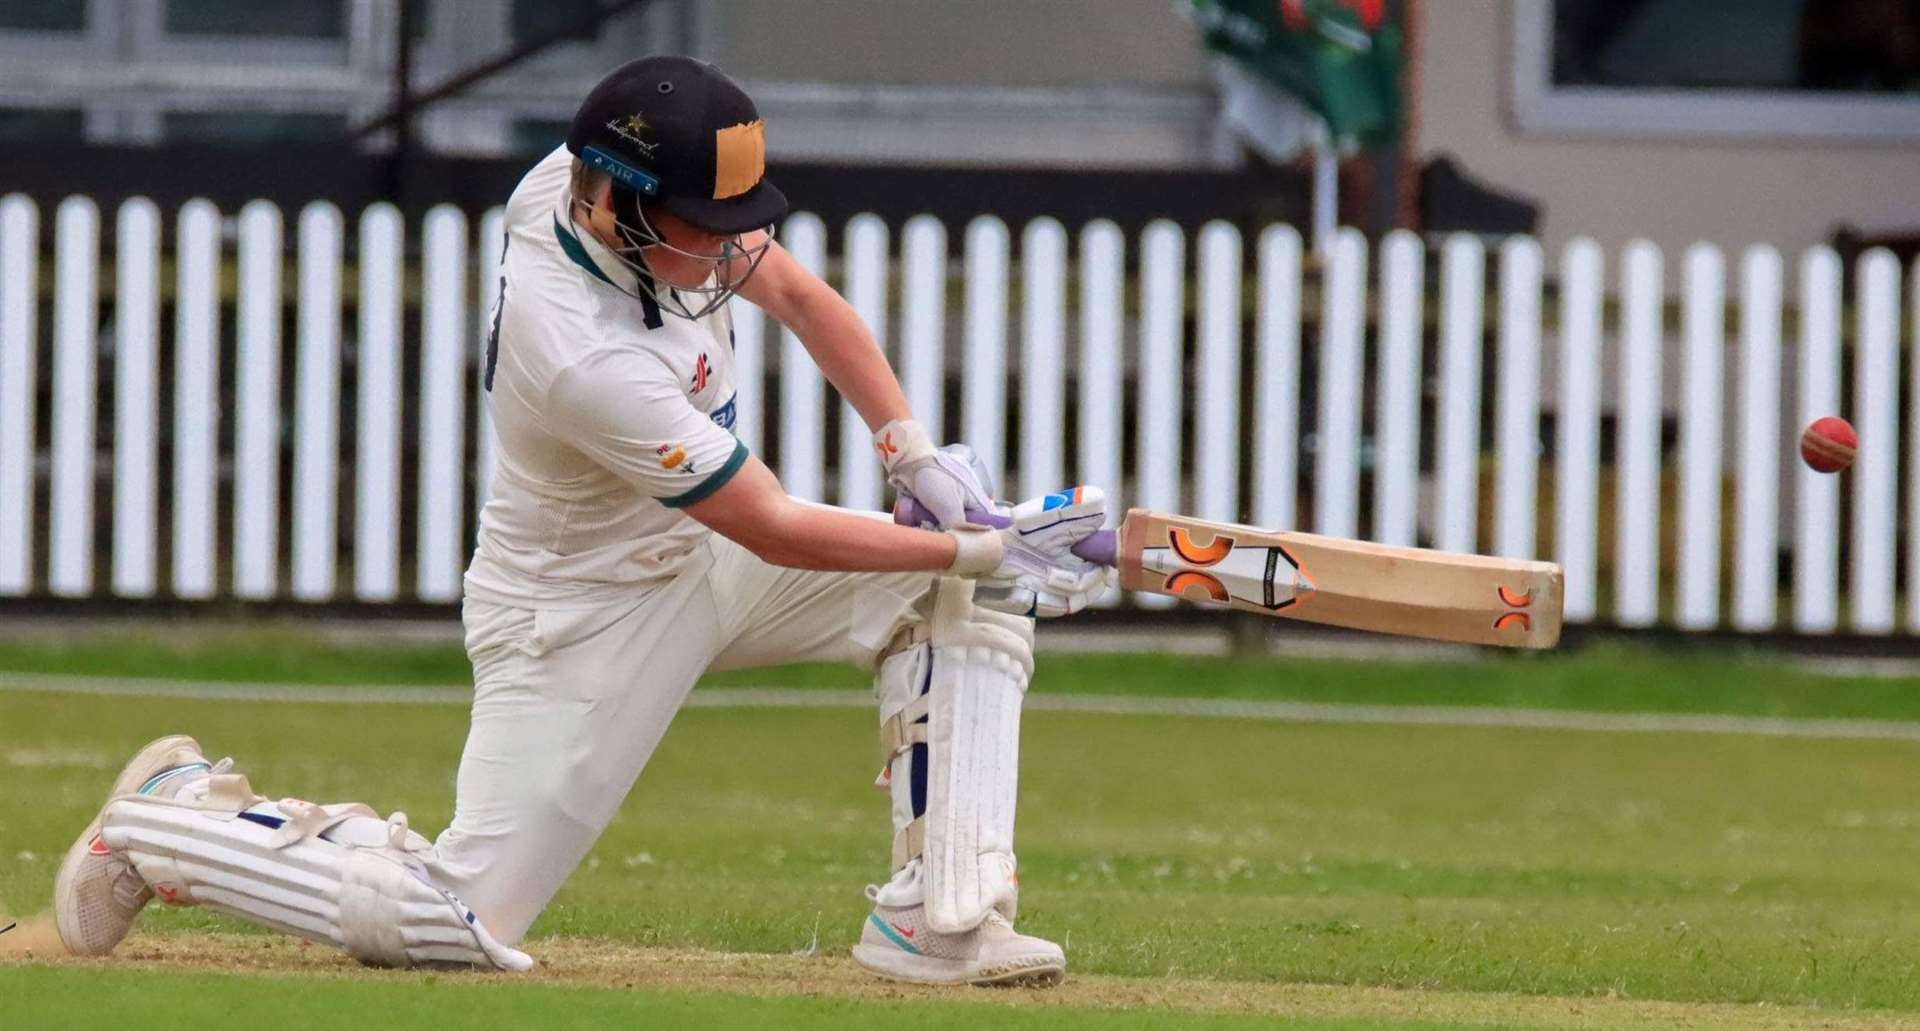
1412, 592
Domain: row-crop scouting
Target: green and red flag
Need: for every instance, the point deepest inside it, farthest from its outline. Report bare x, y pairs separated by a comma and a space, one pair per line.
1341, 58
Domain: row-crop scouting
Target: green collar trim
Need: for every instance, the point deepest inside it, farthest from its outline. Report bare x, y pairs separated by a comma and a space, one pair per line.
578, 252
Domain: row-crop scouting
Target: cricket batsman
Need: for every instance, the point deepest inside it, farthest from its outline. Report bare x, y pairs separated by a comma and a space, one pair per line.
632, 543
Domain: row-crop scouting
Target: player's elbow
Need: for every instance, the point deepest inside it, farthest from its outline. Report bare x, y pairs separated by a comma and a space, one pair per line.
753, 511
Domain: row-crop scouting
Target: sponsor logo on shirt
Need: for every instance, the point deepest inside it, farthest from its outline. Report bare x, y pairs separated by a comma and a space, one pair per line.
673, 456
701, 370
724, 415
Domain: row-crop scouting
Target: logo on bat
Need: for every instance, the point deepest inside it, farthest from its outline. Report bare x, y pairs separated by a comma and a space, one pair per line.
1272, 575
1515, 600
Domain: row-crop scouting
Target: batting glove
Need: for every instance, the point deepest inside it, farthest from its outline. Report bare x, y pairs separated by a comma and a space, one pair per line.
946, 481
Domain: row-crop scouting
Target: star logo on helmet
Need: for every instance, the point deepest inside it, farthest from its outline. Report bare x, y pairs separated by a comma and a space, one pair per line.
634, 128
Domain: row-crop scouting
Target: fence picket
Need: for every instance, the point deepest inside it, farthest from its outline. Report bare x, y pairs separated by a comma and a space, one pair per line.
19, 315
1457, 467
1817, 509
983, 390
801, 388
376, 506
441, 546
1396, 478
866, 282
1276, 399
1161, 362
1518, 408
1102, 300
1698, 542
1102, 360
1875, 418
1043, 328
923, 312
256, 472
1218, 417
1636, 550
1577, 466
76, 316
316, 454
135, 411
1342, 356
1756, 569
196, 404
1913, 457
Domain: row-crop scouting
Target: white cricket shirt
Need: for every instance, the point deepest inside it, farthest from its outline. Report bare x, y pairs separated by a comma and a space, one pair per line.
611, 415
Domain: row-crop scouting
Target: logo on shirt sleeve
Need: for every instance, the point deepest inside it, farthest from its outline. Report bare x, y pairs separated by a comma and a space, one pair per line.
673, 456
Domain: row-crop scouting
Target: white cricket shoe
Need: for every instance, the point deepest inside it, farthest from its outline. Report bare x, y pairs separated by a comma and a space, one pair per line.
897, 943
97, 894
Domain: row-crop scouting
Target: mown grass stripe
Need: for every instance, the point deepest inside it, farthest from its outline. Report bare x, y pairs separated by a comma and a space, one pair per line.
1105, 705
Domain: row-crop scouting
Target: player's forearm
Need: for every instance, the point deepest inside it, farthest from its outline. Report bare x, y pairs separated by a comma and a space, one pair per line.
811, 537
844, 348
753, 511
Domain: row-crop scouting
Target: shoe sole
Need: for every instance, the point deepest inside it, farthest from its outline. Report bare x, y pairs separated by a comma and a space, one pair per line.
1018, 972
132, 776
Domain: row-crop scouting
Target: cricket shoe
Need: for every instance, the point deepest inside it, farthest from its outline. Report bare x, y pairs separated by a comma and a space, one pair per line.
896, 943
97, 894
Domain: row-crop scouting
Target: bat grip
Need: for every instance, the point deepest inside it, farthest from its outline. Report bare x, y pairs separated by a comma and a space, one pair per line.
1100, 547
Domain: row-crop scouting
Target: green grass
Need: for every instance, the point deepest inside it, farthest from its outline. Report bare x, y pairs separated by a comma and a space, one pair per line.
1605, 678
75, 1000
1694, 868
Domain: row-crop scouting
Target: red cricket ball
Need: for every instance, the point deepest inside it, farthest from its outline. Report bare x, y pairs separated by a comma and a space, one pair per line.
1828, 443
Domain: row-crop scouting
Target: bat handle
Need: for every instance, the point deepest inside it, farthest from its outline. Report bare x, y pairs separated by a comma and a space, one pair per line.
1099, 548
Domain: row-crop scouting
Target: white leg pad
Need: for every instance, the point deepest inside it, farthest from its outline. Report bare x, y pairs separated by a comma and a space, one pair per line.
336, 874
957, 689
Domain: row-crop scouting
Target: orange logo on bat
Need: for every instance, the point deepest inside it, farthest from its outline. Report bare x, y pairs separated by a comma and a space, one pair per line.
1518, 600
1178, 583
1194, 554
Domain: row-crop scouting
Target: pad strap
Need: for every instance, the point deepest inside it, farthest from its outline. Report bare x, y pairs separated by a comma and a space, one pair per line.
903, 730
909, 842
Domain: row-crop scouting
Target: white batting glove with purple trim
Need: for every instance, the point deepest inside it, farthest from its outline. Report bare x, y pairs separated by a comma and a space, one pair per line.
946, 481
1039, 575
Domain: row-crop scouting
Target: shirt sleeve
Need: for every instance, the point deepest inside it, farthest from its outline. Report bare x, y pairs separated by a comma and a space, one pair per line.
626, 412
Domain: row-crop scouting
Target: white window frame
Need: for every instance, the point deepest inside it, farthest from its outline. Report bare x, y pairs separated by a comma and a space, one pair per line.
1542, 108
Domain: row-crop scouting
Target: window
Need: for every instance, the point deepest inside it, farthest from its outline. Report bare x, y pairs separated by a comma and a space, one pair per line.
310, 19
537, 19
43, 15
249, 127
42, 125
538, 135
1718, 68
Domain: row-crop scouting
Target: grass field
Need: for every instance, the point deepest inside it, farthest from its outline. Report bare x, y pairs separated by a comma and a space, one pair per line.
1202, 871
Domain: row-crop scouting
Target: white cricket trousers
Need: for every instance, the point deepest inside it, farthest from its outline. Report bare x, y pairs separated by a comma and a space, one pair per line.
569, 704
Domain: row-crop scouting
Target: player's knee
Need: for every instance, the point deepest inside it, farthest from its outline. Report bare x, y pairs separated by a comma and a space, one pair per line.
958, 622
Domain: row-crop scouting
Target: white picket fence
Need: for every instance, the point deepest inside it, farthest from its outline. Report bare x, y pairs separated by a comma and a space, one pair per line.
1558, 362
